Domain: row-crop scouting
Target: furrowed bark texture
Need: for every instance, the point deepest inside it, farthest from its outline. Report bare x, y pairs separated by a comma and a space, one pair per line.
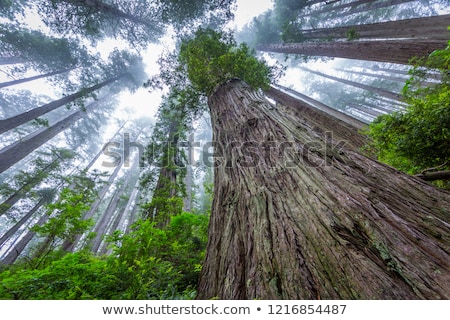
325, 223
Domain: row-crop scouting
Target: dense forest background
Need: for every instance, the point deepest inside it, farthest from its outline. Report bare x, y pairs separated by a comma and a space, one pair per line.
110, 115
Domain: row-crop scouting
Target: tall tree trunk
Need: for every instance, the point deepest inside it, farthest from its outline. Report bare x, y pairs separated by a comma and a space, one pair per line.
394, 51
21, 222
385, 77
15, 252
18, 194
359, 6
381, 92
107, 216
19, 81
11, 123
11, 60
19, 150
371, 112
102, 7
70, 244
434, 27
325, 223
310, 103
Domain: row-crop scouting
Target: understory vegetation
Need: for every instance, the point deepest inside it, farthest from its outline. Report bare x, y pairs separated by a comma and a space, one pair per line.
417, 140
150, 263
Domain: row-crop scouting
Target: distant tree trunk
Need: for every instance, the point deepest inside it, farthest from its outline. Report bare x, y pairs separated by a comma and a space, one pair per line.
18, 194
19, 150
394, 51
371, 5
359, 6
434, 27
21, 222
381, 92
386, 77
11, 123
118, 220
167, 185
369, 111
11, 60
308, 105
41, 76
15, 252
102, 7
374, 75
107, 216
70, 244
325, 223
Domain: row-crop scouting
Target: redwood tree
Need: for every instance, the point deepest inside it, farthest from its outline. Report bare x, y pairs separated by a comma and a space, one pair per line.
298, 215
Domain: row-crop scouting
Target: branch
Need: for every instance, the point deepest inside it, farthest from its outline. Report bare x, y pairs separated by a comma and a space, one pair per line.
431, 176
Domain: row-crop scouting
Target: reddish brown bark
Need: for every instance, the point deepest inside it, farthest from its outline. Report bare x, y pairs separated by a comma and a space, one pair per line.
316, 220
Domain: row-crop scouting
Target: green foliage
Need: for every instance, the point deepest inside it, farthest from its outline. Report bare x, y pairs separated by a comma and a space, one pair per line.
148, 263
418, 138
211, 58
352, 34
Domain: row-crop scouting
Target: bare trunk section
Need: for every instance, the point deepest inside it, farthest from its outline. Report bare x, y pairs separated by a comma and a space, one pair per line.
325, 223
394, 51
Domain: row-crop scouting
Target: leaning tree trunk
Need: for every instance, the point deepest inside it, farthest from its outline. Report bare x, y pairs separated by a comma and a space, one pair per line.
434, 27
12, 122
296, 215
394, 51
40, 76
379, 91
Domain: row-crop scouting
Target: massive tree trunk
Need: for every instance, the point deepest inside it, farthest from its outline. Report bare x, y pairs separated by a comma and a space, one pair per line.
394, 51
19, 81
381, 92
434, 27
11, 123
297, 215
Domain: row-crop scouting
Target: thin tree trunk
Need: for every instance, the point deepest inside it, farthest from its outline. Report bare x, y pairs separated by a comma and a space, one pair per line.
369, 111
19, 81
434, 27
386, 77
309, 103
106, 217
296, 215
370, 5
102, 7
19, 150
18, 194
15, 252
70, 244
13, 122
21, 222
381, 92
394, 51
11, 60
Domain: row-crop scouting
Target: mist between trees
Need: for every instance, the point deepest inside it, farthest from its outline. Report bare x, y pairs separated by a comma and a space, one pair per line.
250, 153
